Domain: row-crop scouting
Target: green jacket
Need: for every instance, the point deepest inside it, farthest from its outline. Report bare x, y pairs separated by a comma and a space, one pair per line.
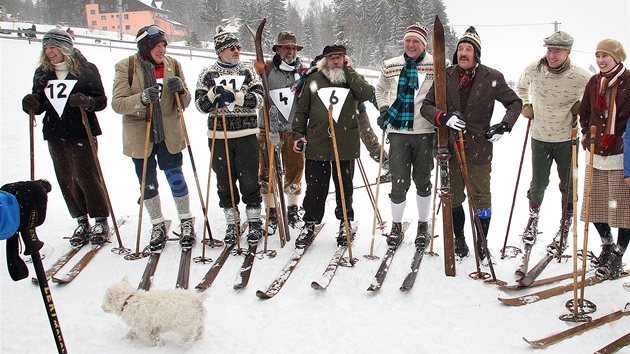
311, 117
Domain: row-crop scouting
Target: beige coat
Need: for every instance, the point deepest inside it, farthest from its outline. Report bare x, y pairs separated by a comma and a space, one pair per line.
126, 101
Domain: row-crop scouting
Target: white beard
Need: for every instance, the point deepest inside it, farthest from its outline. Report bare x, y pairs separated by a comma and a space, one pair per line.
336, 76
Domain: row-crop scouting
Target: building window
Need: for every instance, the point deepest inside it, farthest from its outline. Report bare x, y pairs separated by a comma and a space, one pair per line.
103, 18
92, 12
114, 28
127, 27
104, 28
126, 16
93, 23
112, 16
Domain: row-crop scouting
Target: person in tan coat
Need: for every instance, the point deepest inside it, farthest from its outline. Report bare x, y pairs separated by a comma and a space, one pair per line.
152, 82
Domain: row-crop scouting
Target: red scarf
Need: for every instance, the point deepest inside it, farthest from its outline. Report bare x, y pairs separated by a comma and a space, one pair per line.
607, 81
466, 77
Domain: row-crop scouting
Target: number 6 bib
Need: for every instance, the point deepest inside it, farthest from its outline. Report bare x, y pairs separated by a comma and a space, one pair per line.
335, 96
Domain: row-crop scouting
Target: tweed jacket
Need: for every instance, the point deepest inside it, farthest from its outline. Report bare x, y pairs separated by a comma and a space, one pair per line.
488, 86
311, 117
126, 101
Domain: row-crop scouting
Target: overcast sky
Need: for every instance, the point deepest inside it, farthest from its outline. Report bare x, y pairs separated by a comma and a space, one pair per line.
512, 32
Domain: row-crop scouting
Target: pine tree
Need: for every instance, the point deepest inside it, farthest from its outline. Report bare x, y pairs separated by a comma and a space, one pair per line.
211, 14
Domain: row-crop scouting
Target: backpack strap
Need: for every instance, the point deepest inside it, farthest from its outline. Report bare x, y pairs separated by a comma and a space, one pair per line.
132, 67
175, 65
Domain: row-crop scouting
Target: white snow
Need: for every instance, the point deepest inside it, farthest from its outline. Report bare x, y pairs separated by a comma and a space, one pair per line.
439, 315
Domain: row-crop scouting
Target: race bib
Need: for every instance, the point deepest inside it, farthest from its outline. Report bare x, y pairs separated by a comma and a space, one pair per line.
335, 96
57, 92
233, 81
283, 99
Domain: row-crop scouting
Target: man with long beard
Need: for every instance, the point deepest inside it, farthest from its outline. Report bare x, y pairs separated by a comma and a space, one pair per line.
335, 83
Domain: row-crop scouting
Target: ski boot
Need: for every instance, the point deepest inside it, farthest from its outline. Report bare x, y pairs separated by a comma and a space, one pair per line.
396, 236
255, 232
385, 178
81, 234
531, 230
306, 235
272, 226
293, 217
422, 237
604, 256
230, 234
187, 233
342, 240
100, 232
613, 267
158, 237
461, 248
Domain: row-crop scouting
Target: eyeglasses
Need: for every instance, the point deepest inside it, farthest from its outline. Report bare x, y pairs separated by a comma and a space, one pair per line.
238, 47
151, 31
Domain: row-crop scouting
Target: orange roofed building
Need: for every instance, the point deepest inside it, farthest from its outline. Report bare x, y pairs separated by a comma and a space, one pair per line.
104, 15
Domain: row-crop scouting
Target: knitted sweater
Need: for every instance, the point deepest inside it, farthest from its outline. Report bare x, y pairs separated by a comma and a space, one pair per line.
387, 89
242, 121
552, 96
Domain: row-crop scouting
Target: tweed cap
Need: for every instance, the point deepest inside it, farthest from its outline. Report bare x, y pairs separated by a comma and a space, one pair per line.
560, 40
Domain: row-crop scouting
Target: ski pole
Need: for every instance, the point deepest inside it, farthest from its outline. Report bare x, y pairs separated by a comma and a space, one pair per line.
214, 243
31, 126
341, 192
32, 246
587, 215
378, 186
431, 253
230, 180
144, 177
369, 190
203, 258
518, 178
120, 249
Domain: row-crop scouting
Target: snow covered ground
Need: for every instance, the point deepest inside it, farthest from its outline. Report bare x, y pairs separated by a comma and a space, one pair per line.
439, 315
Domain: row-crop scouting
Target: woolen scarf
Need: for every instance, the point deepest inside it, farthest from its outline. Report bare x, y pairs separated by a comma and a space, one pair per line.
156, 118
559, 70
401, 113
466, 77
607, 81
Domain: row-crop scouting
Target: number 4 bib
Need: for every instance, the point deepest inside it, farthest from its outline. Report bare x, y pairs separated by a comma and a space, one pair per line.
57, 92
335, 96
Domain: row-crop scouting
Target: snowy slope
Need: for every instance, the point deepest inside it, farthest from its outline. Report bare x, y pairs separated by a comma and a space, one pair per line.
439, 315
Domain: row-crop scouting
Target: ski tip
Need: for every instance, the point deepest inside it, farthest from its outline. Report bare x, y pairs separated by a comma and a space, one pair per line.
262, 295
315, 285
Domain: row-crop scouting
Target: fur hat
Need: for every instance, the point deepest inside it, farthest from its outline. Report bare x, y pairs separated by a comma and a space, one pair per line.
560, 40
224, 40
60, 39
612, 48
286, 38
333, 50
470, 36
417, 30
147, 43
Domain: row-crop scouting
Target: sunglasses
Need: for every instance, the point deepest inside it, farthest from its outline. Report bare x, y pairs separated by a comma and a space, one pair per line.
151, 31
238, 47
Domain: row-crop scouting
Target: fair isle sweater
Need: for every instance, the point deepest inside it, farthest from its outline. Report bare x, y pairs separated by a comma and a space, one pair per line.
243, 120
387, 89
552, 96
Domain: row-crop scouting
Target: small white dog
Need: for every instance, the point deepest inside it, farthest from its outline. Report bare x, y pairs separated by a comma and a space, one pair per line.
150, 313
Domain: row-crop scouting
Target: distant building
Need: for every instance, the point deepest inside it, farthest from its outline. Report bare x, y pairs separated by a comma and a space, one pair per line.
104, 15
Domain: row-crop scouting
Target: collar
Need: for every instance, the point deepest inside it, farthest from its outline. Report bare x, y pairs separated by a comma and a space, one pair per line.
125, 303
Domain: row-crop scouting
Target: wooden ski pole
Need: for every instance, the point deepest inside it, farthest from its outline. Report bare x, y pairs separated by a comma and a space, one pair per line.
144, 178
340, 179
593, 132
120, 249
431, 252
231, 181
368, 188
378, 187
31, 126
213, 242
202, 258
518, 178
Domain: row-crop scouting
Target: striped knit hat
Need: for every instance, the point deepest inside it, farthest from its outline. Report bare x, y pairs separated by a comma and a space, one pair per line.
470, 36
60, 39
419, 31
224, 40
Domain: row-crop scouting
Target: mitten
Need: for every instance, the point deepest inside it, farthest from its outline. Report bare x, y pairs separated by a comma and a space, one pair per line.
175, 84
150, 95
380, 121
32, 198
30, 102
528, 111
223, 96
82, 101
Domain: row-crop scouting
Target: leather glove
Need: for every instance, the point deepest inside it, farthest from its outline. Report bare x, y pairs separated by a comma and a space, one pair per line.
528, 111
32, 198
175, 84
223, 96
586, 141
380, 121
260, 67
30, 102
82, 101
453, 120
150, 95
495, 132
